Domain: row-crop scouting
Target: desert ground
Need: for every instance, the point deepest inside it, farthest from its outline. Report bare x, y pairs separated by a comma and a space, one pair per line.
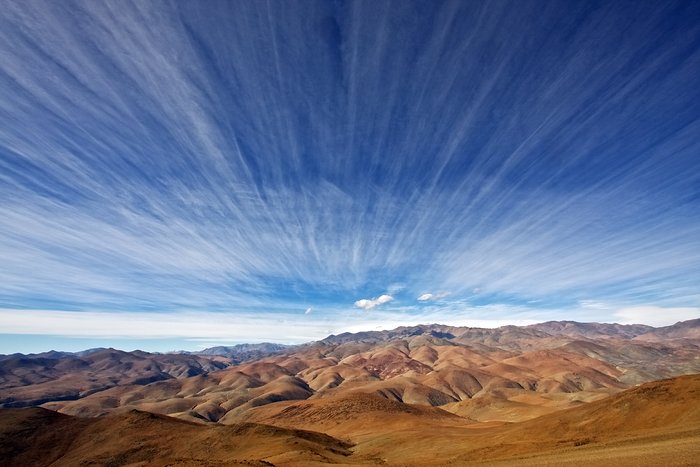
551, 394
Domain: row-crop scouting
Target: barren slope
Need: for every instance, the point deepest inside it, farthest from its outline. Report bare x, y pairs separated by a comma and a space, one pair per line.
657, 423
505, 374
40, 437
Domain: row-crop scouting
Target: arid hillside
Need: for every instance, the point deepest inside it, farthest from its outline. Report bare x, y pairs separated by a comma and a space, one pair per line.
657, 423
504, 374
35, 436
30, 380
555, 393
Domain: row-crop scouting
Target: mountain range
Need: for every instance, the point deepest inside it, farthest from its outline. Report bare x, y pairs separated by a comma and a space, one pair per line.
357, 397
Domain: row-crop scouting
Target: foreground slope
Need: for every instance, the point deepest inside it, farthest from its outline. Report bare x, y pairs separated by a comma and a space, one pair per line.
657, 423
38, 437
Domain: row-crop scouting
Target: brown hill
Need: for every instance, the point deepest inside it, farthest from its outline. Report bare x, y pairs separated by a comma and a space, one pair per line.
40, 437
666, 404
504, 374
592, 330
682, 330
36, 436
34, 380
351, 414
657, 423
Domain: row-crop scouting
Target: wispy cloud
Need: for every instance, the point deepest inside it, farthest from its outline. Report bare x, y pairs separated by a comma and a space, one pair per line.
230, 327
198, 325
156, 156
158, 331
201, 325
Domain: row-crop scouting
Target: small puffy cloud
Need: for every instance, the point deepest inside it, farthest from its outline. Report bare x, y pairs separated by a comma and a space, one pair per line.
426, 297
308, 310
384, 299
368, 304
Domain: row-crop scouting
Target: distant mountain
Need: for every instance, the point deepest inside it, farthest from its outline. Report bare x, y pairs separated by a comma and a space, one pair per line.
681, 330
28, 380
84, 353
245, 352
593, 330
56, 354
49, 354
508, 373
435, 330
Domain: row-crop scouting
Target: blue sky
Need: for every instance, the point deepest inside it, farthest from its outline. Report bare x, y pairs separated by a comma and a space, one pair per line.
178, 174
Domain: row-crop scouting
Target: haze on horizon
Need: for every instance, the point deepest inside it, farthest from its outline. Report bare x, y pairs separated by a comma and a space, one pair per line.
183, 174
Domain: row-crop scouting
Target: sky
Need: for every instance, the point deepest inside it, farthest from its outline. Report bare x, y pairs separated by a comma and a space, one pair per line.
176, 175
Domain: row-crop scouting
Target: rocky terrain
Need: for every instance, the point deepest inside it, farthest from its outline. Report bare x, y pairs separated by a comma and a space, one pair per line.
363, 396
656, 423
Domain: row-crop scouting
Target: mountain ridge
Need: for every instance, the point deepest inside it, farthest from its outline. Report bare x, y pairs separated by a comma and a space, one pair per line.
523, 370
566, 327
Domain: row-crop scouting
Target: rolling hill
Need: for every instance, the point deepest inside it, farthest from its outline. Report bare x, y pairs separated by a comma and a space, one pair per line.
503, 374
657, 423
553, 393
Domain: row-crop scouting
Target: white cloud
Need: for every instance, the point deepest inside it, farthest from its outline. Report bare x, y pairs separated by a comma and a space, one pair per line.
593, 305
368, 304
431, 297
656, 315
136, 244
209, 326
